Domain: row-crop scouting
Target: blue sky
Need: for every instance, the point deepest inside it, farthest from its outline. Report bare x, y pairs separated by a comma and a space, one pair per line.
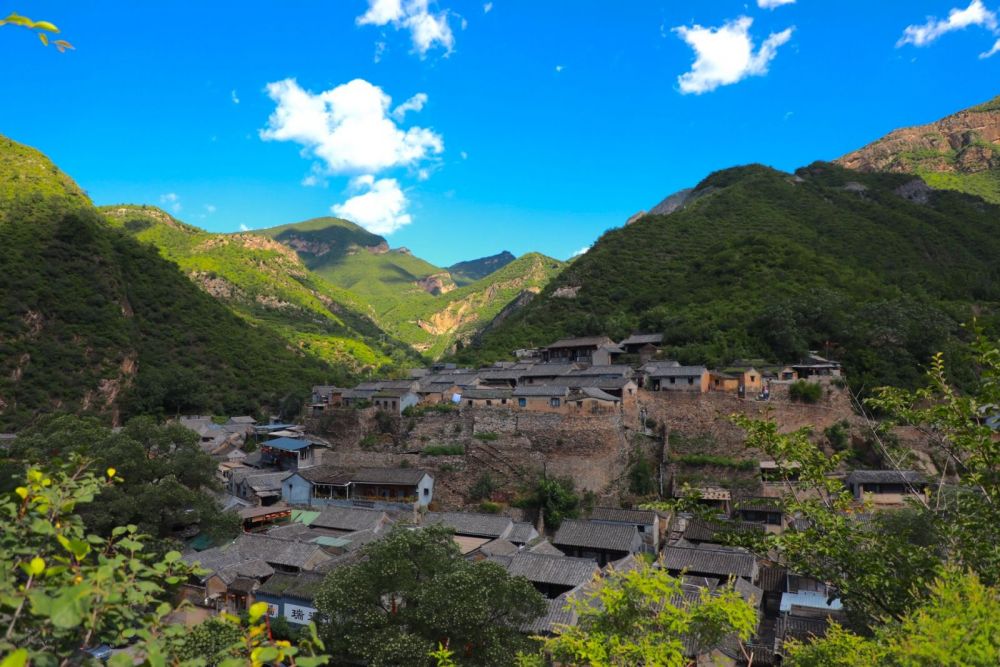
530, 126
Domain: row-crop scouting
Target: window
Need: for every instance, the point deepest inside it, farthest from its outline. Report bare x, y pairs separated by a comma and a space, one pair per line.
521, 402
672, 380
427, 492
503, 401
690, 380
488, 403
554, 402
470, 401
642, 529
753, 379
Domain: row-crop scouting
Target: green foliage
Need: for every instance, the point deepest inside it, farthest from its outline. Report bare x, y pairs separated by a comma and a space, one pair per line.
488, 507
555, 497
713, 460
456, 449
95, 322
838, 435
641, 476
430, 408
387, 422
266, 283
388, 282
464, 273
62, 588
486, 436
167, 476
41, 28
804, 391
958, 625
483, 487
633, 618
763, 264
413, 590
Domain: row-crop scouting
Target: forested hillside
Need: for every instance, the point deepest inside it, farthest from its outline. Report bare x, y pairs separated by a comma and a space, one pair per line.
412, 300
266, 283
875, 269
95, 322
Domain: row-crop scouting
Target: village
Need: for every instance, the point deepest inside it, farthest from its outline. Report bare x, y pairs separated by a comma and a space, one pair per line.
311, 495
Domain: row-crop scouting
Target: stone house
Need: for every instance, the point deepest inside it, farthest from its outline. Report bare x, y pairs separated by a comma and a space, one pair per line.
589, 350
289, 453
647, 522
381, 488
290, 596
676, 378
765, 511
487, 398
395, 400
645, 346
886, 487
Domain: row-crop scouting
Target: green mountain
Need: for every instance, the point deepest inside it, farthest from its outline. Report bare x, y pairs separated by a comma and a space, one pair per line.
411, 299
960, 152
472, 270
876, 269
266, 283
96, 322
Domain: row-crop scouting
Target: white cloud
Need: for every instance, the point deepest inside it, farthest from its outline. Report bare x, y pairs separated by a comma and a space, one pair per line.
348, 127
487, 7
464, 155
380, 47
234, 96
415, 103
171, 200
773, 4
726, 55
560, 68
210, 208
379, 206
992, 52
958, 19
244, 228
581, 251
427, 29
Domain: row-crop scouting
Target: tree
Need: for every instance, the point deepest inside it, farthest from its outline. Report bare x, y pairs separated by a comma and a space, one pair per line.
167, 474
413, 590
642, 617
40, 28
958, 625
555, 498
883, 567
63, 589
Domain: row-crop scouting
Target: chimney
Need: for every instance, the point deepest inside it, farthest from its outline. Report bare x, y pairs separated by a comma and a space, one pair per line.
540, 523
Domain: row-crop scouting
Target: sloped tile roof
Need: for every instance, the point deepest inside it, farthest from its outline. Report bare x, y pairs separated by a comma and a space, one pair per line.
479, 525
619, 515
716, 561
590, 534
557, 570
348, 518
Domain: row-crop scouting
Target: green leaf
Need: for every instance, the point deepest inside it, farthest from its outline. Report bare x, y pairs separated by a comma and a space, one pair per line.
66, 613
172, 556
18, 658
45, 39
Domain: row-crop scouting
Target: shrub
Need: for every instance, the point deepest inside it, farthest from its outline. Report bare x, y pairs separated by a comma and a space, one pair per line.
444, 450
483, 488
838, 435
369, 441
805, 392
387, 422
641, 477
489, 507
486, 436
447, 467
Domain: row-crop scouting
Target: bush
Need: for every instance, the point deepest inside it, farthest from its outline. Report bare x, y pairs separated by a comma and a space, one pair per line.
488, 507
805, 392
486, 436
447, 467
641, 477
444, 450
838, 435
387, 422
483, 488
369, 441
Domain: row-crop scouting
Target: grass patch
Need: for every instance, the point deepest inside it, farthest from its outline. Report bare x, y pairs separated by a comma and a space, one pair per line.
444, 450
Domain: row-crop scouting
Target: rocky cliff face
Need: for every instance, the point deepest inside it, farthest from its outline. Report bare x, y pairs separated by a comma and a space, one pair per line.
437, 283
957, 152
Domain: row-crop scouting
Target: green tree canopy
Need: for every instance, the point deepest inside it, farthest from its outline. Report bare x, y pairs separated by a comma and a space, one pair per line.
413, 590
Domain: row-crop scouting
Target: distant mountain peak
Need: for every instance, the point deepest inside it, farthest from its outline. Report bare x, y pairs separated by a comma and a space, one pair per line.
472, 270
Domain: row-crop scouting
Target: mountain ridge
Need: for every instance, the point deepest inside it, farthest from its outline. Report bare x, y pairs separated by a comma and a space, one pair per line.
958, 152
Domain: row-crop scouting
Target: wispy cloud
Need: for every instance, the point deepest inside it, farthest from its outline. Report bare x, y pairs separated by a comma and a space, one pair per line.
210, 208
427, 29
976, 14
234, 96
244, 228
774, 4
172, 201
487, 7
726, 55
560, 68
581, 251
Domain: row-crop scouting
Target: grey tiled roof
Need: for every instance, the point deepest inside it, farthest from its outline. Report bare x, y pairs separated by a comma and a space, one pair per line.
677, 371
558, 570
589, 534
613, 370
477, 525
773, 579
758, 504
556, 614
325, 474
543, 546
594, 393
588, 341
716, 561
402, 476
619, 515
886, 477
521, 533
643, 339
348, 518
547, 370
486, 393
600, 382
542, 390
